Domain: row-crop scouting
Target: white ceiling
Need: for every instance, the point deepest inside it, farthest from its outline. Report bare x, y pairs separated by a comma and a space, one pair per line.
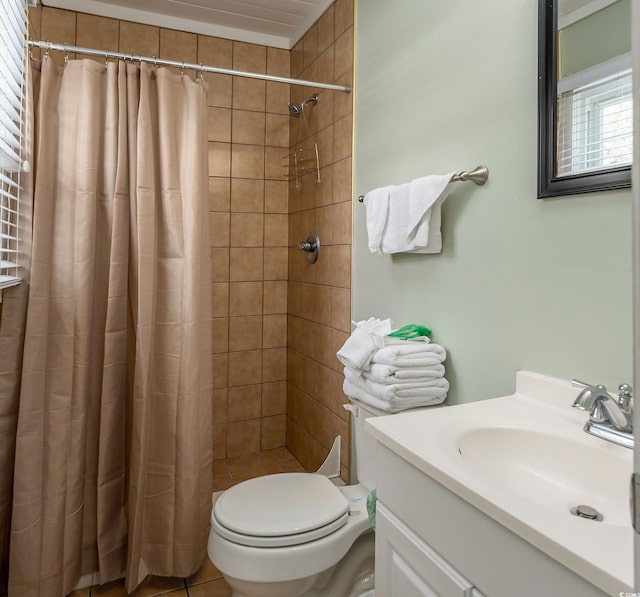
276, 23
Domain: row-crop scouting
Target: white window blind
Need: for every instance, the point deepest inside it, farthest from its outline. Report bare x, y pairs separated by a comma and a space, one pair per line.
13, 32
595, 120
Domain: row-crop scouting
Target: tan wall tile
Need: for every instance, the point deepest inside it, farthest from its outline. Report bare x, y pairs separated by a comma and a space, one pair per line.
275, 163
219, 194
273, 432
214, 51
245, 367
219, 89
276, 263
220, 335
219, 406
277, 62
274, 364
247, 195
274, 398
245, 333
247, 230
58, 26
244, 403
220, 265
138, 38
220, 367
219, 228
219, 159
297, 59
341, 214
277, 98
97, 32
219, 127
178, 45
220, 299
243, 437
246, 264
344, 15
219, 441
326, 68
310, 46
344, 53
277, 131
249, 94
248, 127
274, 331
276, 230
275, 297
342, 138
341, 309
247, 161
245, 298
249, 57
276, 196
326, 29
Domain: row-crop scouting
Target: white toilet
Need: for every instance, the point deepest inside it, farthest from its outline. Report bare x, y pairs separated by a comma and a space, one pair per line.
298, 534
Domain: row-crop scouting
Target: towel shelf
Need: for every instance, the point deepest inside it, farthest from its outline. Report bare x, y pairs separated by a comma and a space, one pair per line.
478, 175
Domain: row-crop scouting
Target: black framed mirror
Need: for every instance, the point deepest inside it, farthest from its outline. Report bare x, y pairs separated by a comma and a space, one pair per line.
585, 131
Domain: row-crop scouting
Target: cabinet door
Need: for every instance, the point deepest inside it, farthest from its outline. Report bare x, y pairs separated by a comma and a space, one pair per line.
408, 567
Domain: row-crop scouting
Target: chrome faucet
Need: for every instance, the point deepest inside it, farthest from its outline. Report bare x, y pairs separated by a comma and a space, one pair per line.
609, 419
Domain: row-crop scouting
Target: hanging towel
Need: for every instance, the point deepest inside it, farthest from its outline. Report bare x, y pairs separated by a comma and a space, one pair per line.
377, 209
391, 374
412, 216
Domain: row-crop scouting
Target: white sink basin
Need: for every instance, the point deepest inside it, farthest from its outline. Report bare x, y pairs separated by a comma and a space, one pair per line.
552, 471
525, 461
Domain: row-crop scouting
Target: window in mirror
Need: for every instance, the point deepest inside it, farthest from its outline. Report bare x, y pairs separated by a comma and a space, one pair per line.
585, 99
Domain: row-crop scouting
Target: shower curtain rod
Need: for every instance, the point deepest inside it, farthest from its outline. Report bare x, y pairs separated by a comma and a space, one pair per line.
49, 46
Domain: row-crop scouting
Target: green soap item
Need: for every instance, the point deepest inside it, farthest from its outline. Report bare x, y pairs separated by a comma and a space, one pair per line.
411, 331
371, 509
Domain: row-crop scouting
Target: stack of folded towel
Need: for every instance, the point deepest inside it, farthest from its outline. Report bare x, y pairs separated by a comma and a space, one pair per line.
389, 373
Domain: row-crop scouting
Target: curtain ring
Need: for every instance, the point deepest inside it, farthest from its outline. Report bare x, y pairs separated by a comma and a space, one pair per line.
106, 59
46, 52
155, 63
182, 70
201, 72
66, 55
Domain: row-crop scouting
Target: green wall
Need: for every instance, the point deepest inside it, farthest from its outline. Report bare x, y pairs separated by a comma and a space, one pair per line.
522, 283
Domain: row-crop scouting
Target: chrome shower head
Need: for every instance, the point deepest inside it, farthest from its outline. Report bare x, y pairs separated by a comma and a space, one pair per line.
296, 109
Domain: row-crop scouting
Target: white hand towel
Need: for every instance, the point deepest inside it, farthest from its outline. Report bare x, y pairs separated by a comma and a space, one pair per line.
391, 406
408, 226
409, 354
377, 207
367, 337
424, 389
391, 374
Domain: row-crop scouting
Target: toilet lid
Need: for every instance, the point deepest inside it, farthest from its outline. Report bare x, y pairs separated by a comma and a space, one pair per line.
281, 509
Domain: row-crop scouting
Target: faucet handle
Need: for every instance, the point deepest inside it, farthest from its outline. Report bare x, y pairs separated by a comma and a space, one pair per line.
625, 393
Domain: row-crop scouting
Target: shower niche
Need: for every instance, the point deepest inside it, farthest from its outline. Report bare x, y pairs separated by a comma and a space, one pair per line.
304, 158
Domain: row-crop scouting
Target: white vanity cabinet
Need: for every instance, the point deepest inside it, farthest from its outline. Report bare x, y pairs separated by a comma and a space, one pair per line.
430, 542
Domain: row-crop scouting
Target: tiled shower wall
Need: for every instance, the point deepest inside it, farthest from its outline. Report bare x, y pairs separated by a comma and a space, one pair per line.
248, 135
265, 295
319, 312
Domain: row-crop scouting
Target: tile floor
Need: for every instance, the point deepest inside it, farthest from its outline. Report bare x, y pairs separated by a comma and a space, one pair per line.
208, 581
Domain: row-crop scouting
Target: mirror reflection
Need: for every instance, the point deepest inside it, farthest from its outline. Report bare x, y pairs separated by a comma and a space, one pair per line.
594, 103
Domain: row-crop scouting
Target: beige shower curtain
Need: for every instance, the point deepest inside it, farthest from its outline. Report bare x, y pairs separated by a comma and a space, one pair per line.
113, 449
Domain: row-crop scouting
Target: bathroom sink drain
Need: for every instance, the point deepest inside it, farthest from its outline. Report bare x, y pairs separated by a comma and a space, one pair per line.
586, 512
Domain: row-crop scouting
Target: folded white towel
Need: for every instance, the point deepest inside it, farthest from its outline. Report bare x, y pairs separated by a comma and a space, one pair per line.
367, 337
391, 374
428, 389
392, 406
399, 218
409, 354
377, 209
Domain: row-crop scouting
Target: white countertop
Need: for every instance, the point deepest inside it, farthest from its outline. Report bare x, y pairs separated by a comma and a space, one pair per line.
429, 439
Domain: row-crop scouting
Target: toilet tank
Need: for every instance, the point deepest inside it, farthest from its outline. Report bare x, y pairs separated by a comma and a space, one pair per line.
364, 443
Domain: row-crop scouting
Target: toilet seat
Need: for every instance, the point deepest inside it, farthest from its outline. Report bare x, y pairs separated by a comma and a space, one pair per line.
280, 510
